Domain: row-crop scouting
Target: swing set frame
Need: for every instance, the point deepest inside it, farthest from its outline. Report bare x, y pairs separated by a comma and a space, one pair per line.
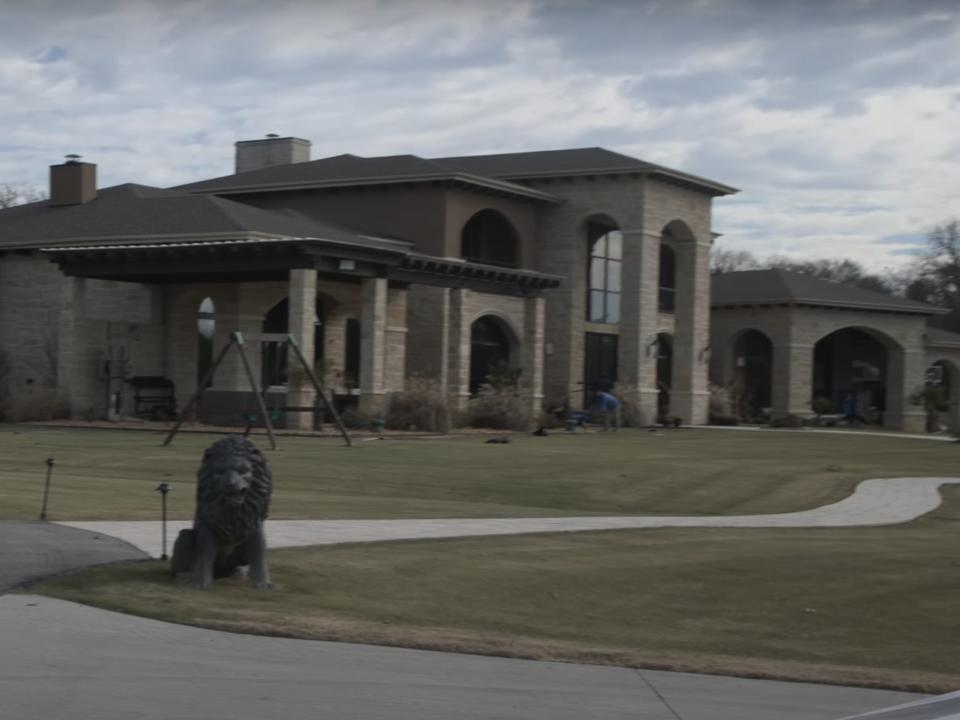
238, 341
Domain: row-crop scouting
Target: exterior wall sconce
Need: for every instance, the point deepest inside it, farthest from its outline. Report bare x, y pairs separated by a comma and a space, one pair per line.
705, 354
652, 345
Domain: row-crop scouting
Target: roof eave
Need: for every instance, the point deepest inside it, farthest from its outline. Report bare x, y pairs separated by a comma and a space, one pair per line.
488, 183
930, 310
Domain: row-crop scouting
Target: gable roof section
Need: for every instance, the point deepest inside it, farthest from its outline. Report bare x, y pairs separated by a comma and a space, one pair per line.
134, 213
780, 287
936, 337
351, 170
567, 163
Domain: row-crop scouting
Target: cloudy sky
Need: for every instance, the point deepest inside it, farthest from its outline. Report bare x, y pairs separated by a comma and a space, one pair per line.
840, 119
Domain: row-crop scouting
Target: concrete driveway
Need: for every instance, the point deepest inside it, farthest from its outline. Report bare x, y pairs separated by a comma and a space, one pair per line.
31, 550
71, 662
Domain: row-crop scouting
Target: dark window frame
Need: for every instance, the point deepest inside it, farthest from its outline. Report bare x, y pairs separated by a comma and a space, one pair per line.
605, 252
489, 238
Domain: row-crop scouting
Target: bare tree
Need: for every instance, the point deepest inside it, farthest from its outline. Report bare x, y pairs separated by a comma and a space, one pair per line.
938, 275
18, 194
725, 260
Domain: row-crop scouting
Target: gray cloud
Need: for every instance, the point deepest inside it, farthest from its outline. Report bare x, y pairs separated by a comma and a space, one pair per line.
836, 118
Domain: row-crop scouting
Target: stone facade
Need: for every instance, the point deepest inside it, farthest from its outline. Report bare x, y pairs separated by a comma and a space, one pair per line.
794, 331
649, 213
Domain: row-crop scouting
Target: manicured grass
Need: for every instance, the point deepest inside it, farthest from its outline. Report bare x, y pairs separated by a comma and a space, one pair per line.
105, 474
872, 606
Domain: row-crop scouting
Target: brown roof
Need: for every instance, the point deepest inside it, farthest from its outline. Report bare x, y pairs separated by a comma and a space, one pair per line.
765, 287
565, 163
351, 170
130, 212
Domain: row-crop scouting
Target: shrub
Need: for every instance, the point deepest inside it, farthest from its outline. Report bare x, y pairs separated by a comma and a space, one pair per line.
506, 407
787, 421
421, 405
823, 406
724, 419
630, 415
356, 419
720, 402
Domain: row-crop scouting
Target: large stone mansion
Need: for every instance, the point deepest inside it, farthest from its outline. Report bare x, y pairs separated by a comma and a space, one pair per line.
575, 269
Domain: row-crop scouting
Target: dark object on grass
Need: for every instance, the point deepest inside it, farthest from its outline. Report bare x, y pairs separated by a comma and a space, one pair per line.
541, 432
501, 440
669, 421
233, 497
787, 421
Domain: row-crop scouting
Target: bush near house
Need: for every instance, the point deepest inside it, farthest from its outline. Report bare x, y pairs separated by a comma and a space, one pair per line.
500, 407
421, 405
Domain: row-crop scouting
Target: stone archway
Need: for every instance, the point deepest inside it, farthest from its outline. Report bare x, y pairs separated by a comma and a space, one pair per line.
753, 374
491, 351
942, 396
855, 371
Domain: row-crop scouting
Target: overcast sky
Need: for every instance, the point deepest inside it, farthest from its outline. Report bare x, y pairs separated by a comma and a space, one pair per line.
839, 120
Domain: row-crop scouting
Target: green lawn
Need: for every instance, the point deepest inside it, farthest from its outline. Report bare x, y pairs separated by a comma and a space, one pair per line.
106, 474
872, 606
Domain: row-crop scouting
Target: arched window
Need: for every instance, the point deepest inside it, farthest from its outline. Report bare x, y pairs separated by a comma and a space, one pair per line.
206, 328
668, 279
489, 238
489, 351
603, 273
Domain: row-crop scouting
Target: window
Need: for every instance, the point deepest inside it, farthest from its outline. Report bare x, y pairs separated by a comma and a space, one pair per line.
603, 273
489, 351
206, 327
489, 238
668, 279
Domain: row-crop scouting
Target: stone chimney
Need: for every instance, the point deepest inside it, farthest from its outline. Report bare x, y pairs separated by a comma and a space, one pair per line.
272, 150
73, 182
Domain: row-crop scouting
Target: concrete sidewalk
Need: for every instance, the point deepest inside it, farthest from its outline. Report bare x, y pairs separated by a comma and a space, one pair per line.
73, 662
875, 502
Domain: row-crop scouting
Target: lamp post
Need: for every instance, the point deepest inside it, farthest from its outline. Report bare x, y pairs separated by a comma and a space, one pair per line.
46, 488
163, 489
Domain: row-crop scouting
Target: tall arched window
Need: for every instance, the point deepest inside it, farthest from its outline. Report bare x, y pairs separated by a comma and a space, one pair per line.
206, 328
603, 273
489, 238
668, 279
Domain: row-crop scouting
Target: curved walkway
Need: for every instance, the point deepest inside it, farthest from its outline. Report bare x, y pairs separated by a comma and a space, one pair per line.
875, 502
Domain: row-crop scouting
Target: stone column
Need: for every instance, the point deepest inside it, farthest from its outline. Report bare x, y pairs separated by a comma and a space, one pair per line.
301, 324
905, 375
533, 334
396, 339
373, 323
689, 397
458, 351
637, 361
792, 379
76, 374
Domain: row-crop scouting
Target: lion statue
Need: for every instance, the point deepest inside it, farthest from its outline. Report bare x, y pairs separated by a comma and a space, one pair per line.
233, 496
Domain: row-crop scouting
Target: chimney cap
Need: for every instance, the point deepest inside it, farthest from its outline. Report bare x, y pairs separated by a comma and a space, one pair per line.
73, 157
272, 135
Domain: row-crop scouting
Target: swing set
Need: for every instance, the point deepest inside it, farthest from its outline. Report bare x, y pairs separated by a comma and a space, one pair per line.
237, 341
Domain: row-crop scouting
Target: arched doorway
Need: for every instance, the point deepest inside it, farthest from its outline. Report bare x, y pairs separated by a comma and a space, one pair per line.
489, 238
753, 373
941, 401
489, 351
850, 375
274, 359
664, 346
